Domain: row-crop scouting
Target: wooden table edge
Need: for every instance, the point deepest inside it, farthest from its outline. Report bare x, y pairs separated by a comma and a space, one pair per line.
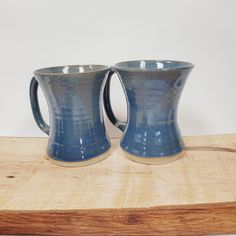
189, 219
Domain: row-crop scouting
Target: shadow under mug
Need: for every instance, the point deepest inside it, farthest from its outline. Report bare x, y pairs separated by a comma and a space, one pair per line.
152, 88
77, 135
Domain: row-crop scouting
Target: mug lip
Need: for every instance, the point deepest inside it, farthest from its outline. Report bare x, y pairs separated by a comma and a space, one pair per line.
185, 65
44, 70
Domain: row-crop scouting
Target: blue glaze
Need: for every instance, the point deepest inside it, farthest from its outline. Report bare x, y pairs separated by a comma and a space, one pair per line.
153, 89
76, 131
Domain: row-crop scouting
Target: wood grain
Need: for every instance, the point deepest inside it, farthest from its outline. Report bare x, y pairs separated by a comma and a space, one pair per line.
193, 195
202, 219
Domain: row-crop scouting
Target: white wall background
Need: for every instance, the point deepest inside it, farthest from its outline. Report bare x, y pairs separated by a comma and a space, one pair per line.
35, 34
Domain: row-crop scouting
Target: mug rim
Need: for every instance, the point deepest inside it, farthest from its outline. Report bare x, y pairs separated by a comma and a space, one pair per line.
45, 71
182, 65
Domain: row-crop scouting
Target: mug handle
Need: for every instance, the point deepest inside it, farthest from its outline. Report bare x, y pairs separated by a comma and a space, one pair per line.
35, 106
107, 104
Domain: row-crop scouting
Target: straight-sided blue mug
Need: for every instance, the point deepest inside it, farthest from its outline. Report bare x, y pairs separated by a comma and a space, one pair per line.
153, 88
77, 135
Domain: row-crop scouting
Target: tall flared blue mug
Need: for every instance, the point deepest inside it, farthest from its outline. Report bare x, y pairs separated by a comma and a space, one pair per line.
153, 88
77, 135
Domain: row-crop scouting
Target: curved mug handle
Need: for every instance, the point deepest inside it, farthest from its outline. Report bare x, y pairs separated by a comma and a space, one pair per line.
107, 104
35, 107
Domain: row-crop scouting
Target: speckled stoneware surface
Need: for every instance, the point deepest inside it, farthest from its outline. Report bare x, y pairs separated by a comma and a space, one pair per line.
76, 134
153, 89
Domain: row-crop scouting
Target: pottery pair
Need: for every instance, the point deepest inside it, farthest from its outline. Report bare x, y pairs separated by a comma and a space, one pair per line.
74, 95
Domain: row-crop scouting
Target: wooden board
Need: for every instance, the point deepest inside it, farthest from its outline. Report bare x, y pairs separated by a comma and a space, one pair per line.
193, 195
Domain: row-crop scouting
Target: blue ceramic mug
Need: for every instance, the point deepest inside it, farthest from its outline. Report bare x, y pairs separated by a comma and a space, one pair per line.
77, 135
152, 88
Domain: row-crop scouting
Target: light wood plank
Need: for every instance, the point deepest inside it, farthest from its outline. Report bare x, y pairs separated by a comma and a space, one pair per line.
194, 195
28, 181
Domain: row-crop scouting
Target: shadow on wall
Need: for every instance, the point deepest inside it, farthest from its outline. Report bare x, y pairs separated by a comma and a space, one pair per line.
112, 131
193, 122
